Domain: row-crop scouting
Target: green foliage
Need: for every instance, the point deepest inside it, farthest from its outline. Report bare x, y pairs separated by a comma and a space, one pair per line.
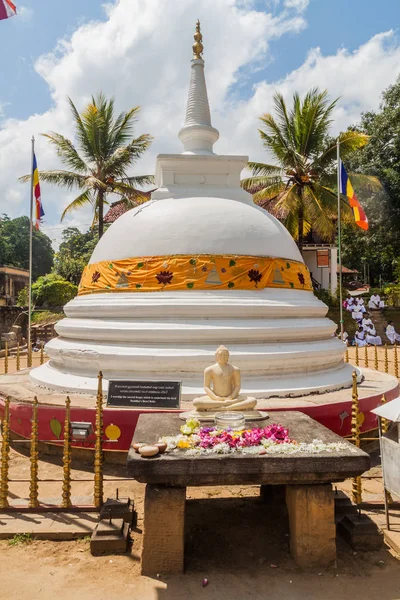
328, 298
379, 247
22, 298
20, 539
392, 295
14, 246
74, 253
46, 316
99, 163
53, 290
300, 188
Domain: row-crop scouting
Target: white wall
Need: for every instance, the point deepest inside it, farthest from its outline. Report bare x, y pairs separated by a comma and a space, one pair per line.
326, 276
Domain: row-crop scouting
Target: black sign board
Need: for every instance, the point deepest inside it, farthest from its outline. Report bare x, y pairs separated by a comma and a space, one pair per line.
144, 394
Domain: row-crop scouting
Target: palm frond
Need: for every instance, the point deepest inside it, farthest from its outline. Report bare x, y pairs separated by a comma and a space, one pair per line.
66, 151
264, 169
81, 200
66, 179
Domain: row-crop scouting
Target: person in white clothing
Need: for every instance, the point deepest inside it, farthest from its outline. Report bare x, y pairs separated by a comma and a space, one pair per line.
375, 302
361, 301
391, 334
372, 338
366, 322
358, 311
359, 337
349, 303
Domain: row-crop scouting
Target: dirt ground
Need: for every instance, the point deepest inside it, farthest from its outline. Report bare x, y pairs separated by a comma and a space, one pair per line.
233, 539
237, 542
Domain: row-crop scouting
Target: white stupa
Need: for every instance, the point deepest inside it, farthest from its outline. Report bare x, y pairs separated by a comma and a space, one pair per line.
197, 266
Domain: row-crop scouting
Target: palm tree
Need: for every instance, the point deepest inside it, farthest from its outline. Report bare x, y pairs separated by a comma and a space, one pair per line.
98, 166
300, 188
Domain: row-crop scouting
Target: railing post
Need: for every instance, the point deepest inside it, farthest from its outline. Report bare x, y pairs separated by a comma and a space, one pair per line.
41, 353
18, 358
5, 455
376, 358
396, 362
366, 357
355, 434
98, 450
386, 359
34, 457
66, 488
357, 357
346, 355
6, 357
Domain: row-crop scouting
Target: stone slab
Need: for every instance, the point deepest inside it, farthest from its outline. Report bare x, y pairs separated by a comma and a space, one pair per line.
209, 416
47, 526
115, 542
360, 532
238, 469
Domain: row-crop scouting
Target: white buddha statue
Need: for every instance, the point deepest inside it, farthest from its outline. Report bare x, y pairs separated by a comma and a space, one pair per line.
222, 386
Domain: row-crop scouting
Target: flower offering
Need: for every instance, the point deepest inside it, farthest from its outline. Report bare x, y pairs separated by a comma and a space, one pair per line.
272, 439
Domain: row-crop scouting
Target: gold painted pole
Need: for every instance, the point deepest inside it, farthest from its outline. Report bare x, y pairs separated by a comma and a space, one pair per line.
366, 356
98, 449
5, 455
6, 357
346, 355
386, 359
357, 357
33, 487
41, 353
66, 488
396, 362
355, 435
384, 422
18, 359
376, 357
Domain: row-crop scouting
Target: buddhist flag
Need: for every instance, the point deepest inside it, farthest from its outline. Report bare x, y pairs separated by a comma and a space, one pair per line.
38, 212
7, 9
347, 190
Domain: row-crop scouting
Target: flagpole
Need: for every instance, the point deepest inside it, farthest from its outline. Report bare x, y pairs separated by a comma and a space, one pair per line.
339, 239
30, 260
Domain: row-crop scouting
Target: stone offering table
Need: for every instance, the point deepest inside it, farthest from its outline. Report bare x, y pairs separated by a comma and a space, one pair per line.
308, 479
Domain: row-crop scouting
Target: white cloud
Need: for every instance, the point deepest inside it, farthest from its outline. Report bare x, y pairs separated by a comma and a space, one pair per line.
141, 55
24, 13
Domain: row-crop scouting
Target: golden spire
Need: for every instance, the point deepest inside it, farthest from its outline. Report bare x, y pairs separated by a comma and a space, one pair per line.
197, 46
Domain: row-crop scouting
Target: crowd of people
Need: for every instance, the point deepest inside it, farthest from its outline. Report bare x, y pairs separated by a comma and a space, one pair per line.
365, 334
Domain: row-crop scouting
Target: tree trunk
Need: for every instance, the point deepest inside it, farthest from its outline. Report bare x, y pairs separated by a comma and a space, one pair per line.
301, 223
100, 213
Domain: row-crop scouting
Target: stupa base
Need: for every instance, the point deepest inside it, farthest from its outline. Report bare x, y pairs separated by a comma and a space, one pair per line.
332, 409
208, 416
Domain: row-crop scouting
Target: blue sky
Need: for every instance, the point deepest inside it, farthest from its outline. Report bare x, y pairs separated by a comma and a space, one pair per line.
330, 25
139, 51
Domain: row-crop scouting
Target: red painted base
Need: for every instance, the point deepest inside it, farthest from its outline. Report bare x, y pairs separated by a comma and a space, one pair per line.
120, 424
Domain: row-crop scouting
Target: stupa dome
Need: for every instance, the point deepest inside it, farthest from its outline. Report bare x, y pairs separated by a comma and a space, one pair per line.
197, 266
196, 225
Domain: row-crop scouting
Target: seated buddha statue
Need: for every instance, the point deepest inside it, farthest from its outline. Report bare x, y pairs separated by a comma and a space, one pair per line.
222, 386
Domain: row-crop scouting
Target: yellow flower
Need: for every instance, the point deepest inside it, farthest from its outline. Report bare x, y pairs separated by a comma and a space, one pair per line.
183, 444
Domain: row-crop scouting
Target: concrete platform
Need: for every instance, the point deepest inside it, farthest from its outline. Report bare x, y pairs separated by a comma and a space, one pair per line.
48, 526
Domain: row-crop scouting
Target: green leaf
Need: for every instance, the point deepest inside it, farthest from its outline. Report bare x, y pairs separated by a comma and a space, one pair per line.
190, 285
140, 265
138, 286
192, 261
231, 284
291, 285
110, 266
56, 427
288, 265
232, 263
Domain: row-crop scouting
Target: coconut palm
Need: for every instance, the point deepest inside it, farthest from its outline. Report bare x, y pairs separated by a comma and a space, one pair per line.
98, 165
300, 188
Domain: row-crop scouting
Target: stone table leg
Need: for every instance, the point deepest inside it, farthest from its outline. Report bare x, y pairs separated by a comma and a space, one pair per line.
312, 524
163, 530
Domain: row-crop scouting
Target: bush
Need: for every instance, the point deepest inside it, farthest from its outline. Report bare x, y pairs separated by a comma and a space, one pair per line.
327, 298
392, 294
22, 298
53, 290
